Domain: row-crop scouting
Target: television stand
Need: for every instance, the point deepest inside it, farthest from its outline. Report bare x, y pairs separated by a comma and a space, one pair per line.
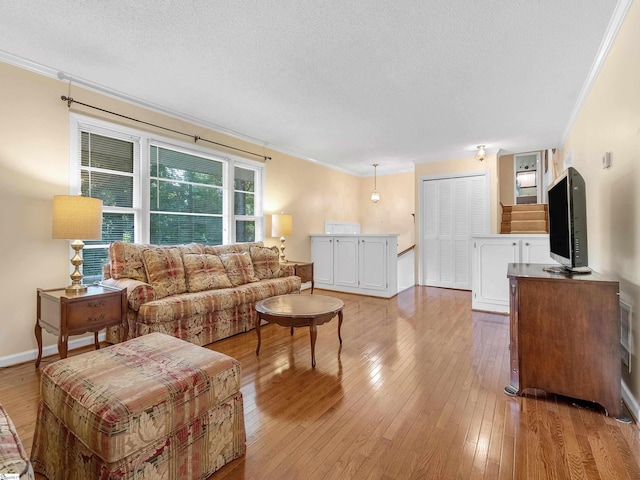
565, 335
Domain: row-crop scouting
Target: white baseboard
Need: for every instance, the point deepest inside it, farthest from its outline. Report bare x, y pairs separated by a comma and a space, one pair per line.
29, 355
630, 401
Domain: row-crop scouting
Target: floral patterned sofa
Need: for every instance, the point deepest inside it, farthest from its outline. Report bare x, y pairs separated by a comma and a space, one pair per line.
14, 462
198, 293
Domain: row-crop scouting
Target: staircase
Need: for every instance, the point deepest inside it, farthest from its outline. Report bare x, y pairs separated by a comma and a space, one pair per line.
532, 218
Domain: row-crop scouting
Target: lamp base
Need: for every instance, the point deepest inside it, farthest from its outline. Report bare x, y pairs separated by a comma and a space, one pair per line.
282, 258
74, 289
76, 286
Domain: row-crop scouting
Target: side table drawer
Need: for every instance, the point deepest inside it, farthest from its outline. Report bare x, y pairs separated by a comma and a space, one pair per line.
93, 312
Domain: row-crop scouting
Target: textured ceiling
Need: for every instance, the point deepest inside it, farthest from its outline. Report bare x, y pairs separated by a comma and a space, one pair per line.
345, 83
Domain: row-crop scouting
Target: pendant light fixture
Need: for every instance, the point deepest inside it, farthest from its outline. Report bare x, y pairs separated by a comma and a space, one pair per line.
480, 154
375, 196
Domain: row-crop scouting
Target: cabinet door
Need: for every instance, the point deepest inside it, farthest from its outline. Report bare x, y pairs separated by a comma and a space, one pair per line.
491, 286
322, 257
373, 263
536, 251
345, 261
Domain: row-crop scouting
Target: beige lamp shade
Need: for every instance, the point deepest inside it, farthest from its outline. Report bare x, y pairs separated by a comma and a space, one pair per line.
77, 218
281, 225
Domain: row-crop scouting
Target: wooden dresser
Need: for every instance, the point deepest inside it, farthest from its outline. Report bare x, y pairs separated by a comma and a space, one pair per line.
565, 335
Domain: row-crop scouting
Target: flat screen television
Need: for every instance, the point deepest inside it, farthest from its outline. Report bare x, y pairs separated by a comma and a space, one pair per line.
568, 223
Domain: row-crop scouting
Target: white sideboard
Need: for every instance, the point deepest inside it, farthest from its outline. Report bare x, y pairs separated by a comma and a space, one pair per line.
356, 263
490, 256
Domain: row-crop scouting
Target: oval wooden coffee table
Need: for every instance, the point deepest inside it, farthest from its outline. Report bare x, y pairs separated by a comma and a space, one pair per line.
300, 311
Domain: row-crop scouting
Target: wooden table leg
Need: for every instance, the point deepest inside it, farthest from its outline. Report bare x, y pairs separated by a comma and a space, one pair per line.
125, 331
62, 345
340, 326
313, 330
95, 340
258, 333
38, 330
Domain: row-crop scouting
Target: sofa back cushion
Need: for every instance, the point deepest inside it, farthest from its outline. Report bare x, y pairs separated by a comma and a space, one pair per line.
205, 272
239, 268
233, 248
191, 248
126, 261
266, 263
165, 271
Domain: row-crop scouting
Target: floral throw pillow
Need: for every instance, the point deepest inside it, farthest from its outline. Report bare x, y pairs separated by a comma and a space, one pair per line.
205, 272
239, 268
126, 261
165, 271
265, 261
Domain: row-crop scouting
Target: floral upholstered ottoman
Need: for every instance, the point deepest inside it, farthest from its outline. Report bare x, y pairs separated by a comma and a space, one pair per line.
154, 407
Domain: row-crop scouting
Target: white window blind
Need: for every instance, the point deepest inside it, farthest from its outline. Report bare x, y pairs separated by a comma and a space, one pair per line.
186, 198
107, 171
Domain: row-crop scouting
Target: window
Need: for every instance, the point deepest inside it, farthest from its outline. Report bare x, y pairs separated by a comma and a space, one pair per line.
186, 198
161, 191
244, 201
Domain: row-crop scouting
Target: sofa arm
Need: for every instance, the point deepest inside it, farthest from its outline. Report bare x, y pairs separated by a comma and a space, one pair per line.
137, 292
288, 270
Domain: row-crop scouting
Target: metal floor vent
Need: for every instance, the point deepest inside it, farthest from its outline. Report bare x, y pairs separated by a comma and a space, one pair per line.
626, 336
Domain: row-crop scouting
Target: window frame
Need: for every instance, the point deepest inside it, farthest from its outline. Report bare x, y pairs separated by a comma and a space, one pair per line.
143, 141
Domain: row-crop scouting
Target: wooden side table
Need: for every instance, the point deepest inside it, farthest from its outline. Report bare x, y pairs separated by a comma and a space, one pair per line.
63, 315
304, 270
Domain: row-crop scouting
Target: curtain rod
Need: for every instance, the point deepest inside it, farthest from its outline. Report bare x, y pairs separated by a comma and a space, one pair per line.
70, 100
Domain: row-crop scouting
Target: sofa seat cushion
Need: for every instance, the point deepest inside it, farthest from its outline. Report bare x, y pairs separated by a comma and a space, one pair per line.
119, 399
254, 292
205, 272
165, 271
173, 308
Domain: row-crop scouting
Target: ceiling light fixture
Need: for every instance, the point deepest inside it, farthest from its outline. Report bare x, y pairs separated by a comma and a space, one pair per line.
375, 196
480, 154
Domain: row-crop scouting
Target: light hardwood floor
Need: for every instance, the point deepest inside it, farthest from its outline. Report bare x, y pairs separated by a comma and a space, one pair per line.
415, 392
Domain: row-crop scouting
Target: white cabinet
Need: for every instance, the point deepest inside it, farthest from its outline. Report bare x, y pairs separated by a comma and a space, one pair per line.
345, 261
491, 255
364, 264
322, 258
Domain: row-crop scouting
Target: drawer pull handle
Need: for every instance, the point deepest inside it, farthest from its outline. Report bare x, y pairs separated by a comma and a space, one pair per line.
99, 318
99, 304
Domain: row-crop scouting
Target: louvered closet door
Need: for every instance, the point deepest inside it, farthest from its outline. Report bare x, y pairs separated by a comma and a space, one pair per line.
454, 209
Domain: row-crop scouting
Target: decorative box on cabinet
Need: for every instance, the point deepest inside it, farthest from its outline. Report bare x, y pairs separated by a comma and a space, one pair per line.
490, 257
364, 264
565, 335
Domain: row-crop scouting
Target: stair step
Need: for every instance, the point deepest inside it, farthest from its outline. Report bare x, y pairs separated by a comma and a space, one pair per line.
525, 215
525, 208
524, 226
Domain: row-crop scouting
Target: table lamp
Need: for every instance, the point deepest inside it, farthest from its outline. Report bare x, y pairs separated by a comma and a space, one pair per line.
77, 218
281, 226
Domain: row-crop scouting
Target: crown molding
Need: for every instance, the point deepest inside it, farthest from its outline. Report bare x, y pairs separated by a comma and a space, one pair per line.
40, 69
